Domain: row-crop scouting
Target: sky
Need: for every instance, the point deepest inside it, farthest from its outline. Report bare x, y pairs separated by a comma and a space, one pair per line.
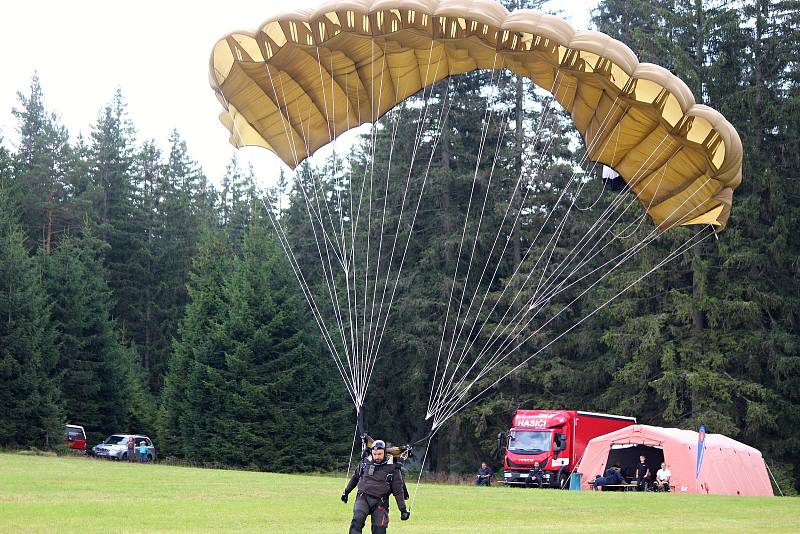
156, 52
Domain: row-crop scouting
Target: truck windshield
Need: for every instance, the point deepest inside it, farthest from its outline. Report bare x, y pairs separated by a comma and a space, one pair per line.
530, 442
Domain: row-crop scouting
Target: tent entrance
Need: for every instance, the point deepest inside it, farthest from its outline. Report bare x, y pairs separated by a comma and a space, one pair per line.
627, 455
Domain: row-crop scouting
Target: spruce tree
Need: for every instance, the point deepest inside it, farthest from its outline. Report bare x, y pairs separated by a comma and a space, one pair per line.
182, 420
99, 386
119, 207
31, 413
42, 165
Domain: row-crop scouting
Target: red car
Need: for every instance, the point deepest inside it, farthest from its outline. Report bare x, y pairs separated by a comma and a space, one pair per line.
75, 437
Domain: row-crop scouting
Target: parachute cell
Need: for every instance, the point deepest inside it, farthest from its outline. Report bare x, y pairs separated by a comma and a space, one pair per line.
305, 77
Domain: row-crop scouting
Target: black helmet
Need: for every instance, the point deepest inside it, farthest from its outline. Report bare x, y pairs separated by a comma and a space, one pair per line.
378, 444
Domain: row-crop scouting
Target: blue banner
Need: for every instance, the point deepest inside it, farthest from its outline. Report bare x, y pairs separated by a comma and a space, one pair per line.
701, 447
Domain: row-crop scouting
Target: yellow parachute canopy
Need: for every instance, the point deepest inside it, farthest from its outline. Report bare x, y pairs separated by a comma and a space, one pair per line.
308, 75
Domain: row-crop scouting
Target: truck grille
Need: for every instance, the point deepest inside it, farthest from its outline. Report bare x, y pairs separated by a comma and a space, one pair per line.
519, 466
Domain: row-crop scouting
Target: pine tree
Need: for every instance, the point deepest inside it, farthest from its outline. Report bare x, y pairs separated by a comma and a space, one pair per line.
31, 414
179, 219
99, 386
119, 204
42, 166
246, 379
182, 424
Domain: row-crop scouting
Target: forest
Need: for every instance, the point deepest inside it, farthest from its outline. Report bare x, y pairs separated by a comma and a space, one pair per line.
139, 294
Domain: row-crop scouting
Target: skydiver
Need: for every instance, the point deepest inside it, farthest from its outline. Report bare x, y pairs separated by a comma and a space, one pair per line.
376, 478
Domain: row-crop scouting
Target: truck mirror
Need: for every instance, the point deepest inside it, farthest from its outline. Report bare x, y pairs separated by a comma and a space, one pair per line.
501, 437
561, 442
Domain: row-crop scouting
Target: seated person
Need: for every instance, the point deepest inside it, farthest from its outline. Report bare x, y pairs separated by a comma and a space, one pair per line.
535, 475
612, 477
662, 478
484, 477
642, 474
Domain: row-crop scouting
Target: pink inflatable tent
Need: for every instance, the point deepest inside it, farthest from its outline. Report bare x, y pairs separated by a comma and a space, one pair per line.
729, 467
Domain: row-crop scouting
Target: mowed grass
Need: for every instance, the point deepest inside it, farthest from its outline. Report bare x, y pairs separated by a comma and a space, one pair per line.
49, 494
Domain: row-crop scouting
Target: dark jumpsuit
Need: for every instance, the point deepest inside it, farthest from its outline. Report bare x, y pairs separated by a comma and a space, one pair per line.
375, 483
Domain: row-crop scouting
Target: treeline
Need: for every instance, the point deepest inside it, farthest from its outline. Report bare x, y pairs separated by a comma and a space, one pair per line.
137, 296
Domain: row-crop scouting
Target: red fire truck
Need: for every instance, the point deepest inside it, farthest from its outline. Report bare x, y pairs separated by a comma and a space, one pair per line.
554, 438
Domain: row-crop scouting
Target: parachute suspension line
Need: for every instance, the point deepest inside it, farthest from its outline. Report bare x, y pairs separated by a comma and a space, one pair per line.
491, 341
503, 123
421, 470
302, 132
345, 264
523, 311
692, 242
373, 328
561, 268
352, 448
652, 200
468, 344
304, 286
484, 136
554, 92
484, 131
374, 117
311, 302
542, 279
628, 254
423, 114
454, 403
351, 305
585, 239
321, 323
417, 142
348, 260
333, 291
591, 255
372, 324
444, 113
325, 260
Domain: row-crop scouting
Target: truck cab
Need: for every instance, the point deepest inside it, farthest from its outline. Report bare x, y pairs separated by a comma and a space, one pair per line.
554, 438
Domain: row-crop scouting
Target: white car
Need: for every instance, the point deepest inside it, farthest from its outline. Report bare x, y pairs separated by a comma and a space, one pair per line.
115, 447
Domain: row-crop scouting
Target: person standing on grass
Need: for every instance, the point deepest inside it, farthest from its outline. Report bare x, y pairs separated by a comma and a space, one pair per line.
131, 449
143, 452
642, 474
376, 477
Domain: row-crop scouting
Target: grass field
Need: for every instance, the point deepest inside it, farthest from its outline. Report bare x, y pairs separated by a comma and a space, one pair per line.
80, 495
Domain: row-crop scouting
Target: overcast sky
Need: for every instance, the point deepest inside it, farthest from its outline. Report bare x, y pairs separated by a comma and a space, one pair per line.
155, 51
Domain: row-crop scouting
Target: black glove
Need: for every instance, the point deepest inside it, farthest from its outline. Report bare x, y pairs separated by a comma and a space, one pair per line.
344, 497
404, 515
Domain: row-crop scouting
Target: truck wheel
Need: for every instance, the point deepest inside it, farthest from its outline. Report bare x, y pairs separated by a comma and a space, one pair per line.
124, 456
149, 458
559, 480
